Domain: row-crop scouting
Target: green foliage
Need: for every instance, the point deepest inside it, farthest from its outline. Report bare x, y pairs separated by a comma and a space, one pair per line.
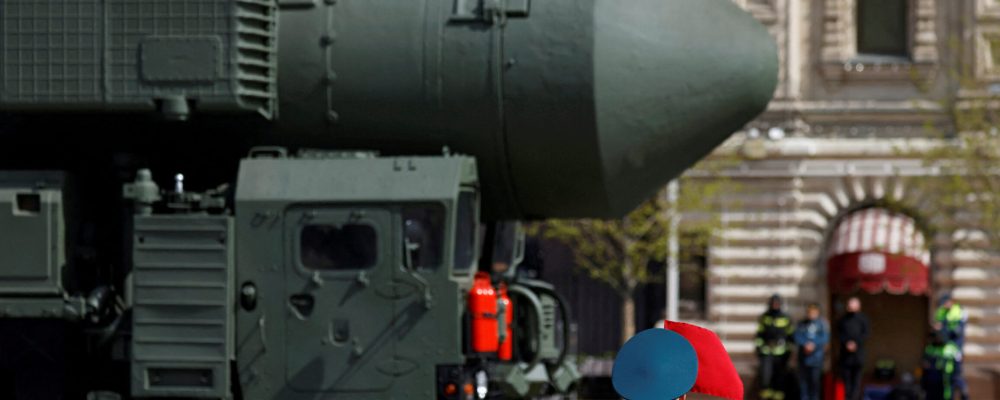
619, 252
964, 190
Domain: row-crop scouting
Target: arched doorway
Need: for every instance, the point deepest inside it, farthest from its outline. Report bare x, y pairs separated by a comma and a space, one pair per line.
881, 257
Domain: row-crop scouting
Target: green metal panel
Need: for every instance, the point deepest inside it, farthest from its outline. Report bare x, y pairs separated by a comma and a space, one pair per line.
547, 337
576, 108
630, 95
42, 307
135, 54
627, 95
260, 261
182, 326
341, 342
356, 180
372, 335
429, 333
32, 241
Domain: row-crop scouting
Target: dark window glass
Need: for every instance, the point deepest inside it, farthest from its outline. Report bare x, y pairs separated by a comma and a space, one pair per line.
423, 227
882, 27
29, 203
693, 263
465, 232
332, 247
504, 242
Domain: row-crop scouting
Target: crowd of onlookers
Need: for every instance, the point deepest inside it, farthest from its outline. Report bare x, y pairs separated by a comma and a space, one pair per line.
778, 338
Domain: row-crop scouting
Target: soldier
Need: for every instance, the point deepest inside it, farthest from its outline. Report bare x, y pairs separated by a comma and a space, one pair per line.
774, 333
940, 359
852, 330
811, 336
950, 320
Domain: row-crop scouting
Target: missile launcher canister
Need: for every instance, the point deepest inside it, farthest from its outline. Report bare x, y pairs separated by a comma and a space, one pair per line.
572, 108
289, 199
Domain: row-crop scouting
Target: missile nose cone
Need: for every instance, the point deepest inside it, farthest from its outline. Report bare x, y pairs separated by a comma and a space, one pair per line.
673, 80
606, 107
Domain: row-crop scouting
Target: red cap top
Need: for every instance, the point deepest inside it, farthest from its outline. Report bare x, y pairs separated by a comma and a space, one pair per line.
716, 374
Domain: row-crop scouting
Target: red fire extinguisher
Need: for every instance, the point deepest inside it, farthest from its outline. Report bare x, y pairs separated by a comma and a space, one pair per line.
834, 387
483, 308
506, 352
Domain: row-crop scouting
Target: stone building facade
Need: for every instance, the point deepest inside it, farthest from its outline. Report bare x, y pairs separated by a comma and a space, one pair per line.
859, 79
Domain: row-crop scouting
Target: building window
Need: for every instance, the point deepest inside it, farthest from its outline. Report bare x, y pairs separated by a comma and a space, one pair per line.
693, 263
882, 27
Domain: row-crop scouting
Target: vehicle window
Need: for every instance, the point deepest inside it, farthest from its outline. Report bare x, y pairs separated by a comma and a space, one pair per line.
333, 247
423, 227
504, 242
465, 231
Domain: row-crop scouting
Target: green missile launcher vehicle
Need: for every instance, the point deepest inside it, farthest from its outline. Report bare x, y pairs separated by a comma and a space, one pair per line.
291, 199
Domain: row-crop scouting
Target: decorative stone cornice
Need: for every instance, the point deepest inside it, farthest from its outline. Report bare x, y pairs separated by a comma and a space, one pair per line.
811, 154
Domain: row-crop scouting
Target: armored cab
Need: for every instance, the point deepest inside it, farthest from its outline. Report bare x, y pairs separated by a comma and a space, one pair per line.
375, 253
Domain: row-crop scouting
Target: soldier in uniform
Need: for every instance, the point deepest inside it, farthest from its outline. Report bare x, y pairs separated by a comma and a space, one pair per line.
949, 321
774, 336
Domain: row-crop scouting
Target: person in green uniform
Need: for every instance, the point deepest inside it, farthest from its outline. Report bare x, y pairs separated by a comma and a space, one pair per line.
950, 320
940, 358
773, 342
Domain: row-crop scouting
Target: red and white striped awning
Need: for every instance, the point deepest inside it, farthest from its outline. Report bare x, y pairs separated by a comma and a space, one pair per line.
878, 250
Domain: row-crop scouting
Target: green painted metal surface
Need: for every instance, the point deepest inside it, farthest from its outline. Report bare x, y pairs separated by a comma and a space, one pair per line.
576, 108
182, 311
370, 330
560, 108
582, 108
33, 234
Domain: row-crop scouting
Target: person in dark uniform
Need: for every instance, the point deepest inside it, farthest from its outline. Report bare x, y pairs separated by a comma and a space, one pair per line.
939, 361
773, 342
853, 330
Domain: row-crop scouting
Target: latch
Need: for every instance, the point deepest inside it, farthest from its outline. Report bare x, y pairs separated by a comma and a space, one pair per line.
485, 10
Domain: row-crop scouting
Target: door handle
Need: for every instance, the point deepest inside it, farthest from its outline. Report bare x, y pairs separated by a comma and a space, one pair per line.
263, 339
302, 304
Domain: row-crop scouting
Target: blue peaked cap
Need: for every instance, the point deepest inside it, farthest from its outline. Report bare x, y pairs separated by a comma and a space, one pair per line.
655, 364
